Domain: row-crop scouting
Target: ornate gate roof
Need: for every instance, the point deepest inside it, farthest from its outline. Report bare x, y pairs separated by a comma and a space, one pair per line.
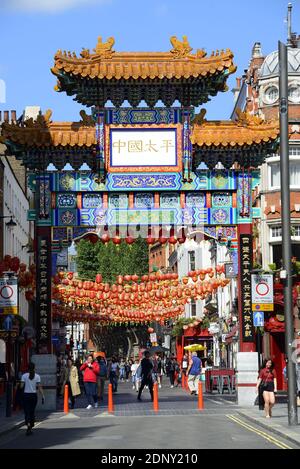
247, 141
104, 74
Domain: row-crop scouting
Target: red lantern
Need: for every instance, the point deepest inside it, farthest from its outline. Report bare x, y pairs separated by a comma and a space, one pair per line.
117, 240
129, 240
105, 238
98, 278
150, 330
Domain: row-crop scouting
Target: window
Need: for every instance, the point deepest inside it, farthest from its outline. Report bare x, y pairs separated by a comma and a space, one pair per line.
296, 230
294, 150
276, 231
275, 175
192, 262
294, 174
193, 309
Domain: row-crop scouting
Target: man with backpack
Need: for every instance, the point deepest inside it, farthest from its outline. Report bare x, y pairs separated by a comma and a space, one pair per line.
102, 377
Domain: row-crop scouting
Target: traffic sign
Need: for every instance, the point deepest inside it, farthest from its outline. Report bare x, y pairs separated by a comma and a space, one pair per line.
262, 292
8, 296
7, 323
258, 319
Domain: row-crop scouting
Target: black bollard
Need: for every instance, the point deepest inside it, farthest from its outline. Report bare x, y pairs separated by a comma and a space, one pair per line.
9, 392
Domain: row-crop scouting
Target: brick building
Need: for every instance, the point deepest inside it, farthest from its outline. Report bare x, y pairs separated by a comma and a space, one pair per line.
258, 93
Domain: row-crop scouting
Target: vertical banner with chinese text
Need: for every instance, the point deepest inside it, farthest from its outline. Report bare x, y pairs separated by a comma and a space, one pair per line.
246, 256
43, 290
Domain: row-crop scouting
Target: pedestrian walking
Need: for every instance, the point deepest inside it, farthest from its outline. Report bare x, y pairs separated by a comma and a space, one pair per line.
113, 373
146, 374
194, 373
184, 364
91, 371
170, 369
71, 379
122, 370
268, 381
127, 370
134, 375
102, 377
31, 382
177, 376
159, 371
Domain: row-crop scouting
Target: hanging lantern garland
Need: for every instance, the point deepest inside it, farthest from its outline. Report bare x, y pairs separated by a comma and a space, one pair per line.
132, 299
26, 278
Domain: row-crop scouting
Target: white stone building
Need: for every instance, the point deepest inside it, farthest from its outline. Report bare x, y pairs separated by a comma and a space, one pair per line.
15, 239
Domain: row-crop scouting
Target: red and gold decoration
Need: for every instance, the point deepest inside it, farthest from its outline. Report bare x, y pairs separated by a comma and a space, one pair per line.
131, 299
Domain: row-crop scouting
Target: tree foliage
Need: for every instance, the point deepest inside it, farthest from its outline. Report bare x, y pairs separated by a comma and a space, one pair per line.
111, 260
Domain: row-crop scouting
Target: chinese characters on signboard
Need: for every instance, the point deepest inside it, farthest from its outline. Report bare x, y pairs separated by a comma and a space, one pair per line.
43, 290
143, 147
245, 272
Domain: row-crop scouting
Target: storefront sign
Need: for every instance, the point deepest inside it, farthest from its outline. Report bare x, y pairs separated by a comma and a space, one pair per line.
245, 273
262, 292
43, 289
8, 296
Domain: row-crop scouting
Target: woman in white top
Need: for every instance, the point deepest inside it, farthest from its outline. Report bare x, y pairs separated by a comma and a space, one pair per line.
134, 378
32, 383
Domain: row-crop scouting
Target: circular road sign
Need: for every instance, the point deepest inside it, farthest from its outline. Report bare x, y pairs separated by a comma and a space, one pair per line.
6, 292
262, 289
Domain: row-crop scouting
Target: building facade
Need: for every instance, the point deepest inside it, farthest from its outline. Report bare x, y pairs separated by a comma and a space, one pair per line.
257, 92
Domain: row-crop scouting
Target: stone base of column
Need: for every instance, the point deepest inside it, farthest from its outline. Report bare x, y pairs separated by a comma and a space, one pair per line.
247, 373
45, 366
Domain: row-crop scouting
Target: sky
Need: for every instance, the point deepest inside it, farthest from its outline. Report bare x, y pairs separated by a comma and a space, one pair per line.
33, 30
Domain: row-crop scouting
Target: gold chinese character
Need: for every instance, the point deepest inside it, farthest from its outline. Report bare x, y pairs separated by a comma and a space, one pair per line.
119, 144
135, 146
167, 144
150, 146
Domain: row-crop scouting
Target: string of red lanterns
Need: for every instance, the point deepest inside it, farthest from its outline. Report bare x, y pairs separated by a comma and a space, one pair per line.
132, 299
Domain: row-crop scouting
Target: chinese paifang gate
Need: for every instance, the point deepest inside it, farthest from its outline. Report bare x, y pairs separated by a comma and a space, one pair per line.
144, 162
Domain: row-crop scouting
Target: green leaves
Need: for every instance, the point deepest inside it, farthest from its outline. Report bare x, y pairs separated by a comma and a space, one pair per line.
111, 260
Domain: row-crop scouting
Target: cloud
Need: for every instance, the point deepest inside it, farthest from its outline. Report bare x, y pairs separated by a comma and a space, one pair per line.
45, 6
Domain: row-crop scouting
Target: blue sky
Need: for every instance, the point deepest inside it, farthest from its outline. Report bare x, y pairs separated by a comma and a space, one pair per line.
32, 30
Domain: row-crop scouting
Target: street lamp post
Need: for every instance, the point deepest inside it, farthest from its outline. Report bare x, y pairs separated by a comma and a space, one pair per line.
286, 273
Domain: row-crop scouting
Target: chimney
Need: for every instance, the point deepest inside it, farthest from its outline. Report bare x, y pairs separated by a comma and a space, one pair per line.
256, 50
6, 116
236, 90
13, 116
